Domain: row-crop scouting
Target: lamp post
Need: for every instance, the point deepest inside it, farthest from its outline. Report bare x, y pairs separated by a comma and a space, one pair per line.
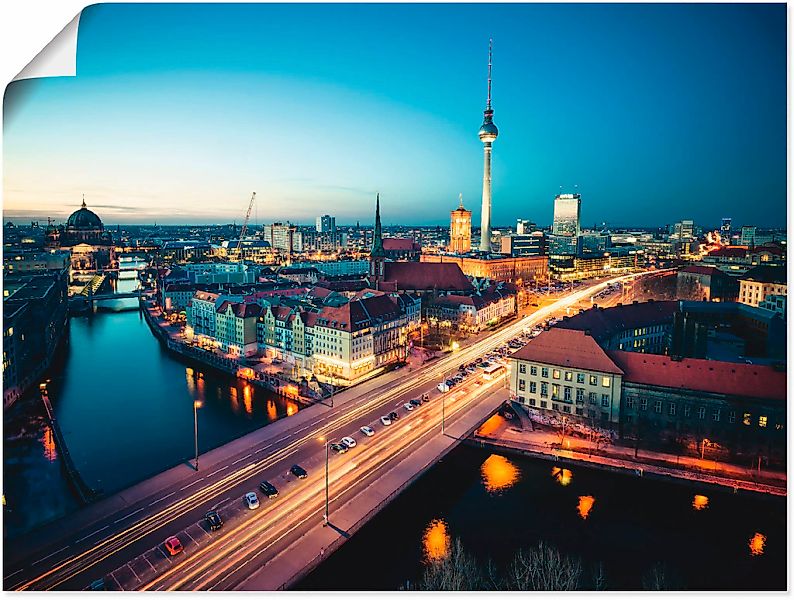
196, 406
703, 445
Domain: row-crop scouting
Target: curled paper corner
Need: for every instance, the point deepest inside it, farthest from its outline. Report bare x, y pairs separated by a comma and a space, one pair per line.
58, 58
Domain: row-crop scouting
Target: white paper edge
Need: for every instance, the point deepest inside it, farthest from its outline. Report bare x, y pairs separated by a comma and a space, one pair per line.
58, 58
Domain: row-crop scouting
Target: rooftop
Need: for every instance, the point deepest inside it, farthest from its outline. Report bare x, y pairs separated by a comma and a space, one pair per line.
765, 274
567, 348
426, 276
603, 323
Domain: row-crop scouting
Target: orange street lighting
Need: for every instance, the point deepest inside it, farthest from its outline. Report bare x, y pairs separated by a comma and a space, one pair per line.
196, 405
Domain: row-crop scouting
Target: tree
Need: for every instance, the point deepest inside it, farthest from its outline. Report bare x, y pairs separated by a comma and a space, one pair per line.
659, 578
543, 568
456, 572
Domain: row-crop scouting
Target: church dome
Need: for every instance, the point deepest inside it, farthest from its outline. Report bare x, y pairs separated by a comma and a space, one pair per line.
84, 219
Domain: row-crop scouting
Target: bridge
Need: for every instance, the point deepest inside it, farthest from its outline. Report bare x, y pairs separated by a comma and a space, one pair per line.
120, 538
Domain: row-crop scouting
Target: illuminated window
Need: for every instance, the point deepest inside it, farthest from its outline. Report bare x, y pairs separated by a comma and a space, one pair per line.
593, 380
555, 391
746, 418
605, 381
568, 376
762, 421
556, 374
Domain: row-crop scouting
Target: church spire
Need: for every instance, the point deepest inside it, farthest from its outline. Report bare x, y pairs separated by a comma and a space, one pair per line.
83, 201
377, 238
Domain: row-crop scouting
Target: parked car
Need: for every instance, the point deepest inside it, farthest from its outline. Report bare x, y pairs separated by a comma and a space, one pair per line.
425, 397
416, 402
268, 489
251, 500
385, 420
348, 441
298, 471
339, 448
213, 519
408, 406
394, 416
367, 431
173, 545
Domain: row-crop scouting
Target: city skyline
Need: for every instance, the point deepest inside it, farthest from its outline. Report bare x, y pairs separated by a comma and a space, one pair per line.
168, 133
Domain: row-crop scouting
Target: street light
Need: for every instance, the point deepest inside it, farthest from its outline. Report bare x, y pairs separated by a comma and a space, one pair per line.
703, 445
196, 406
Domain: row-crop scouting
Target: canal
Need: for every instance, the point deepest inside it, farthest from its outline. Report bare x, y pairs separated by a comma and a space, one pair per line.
496, 504
125, 407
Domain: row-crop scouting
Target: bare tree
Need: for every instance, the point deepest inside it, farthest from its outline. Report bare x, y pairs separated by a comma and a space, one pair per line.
457, 571
543, 568
659, 578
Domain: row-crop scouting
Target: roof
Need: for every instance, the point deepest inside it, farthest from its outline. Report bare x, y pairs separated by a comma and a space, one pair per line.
603, 323
567, 348
208, 296
359, 314
737, 251
400, 244
179, 287
427, 276
239, 309
732, 379
701, 270
765, 274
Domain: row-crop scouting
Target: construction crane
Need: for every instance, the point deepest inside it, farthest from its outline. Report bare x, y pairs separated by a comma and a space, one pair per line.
245, 223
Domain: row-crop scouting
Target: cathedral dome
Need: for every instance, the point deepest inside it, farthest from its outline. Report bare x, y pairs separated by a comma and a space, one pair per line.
84, 219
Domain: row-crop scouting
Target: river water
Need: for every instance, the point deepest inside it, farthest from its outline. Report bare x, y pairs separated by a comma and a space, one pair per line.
125, 407
497, 504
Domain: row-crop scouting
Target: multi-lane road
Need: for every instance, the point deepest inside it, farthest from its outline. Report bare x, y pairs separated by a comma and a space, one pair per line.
121, 540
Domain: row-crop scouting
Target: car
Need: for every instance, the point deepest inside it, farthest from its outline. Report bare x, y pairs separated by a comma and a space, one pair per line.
394, 416
98, 585
425, 397
385, 420
367, 431
338, 448
416, 402
348, 441
298, 471
251, 500
408, 406
173, 545
213, 519
268, 489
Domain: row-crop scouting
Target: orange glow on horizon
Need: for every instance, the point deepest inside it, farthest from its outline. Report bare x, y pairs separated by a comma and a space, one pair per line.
498, 473
700, 502
757, 543
435, 540
563, 476
585, 506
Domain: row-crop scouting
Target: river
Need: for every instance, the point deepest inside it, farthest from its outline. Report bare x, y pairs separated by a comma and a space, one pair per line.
125, 407
497, 504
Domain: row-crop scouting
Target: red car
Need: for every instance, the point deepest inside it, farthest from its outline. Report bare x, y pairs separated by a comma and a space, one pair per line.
173, 545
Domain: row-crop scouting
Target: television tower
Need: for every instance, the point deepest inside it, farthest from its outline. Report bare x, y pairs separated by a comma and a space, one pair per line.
488, 133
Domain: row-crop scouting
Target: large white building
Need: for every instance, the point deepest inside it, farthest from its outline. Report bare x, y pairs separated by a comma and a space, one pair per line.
760, 282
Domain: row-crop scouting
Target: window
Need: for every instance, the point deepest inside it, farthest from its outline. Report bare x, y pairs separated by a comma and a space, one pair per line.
746, 418
579, 411
556, 374
555, 391
544, 404
701, 413
544, 390
522, 368
522, 385
687, 410
579, 395
532, 402
567, 395
568, 376
533, 387
629, 402
657, 406
533, 370
605, 381
644, 403
732, 416
762, 421
555, 406
593, 380
566, 408
593, 397
671, 409
715, 415
580, 378
604, 400
544, 372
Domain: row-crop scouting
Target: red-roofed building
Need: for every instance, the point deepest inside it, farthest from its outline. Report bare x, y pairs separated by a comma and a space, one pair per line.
421, 278
235, 327
401, 249
476, 311
706, 283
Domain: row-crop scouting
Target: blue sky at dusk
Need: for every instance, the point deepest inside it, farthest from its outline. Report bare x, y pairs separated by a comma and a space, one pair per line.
178, 112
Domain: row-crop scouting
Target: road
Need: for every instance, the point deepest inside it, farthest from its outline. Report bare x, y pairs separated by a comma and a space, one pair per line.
127, 540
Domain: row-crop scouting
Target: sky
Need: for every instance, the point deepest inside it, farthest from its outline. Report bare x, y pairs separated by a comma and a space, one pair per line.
653, 113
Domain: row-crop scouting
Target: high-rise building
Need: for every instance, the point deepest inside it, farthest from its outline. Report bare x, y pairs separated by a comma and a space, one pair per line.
488, 133
725, 229
524, 227
684, 230
748, 235
326, 224
460, 229
284, 237
565, 228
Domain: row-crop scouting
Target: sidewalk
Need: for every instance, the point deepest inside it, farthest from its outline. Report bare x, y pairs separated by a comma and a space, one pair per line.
545, 443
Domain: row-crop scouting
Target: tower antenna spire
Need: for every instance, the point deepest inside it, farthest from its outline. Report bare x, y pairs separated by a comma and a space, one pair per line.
490, 46
460, 197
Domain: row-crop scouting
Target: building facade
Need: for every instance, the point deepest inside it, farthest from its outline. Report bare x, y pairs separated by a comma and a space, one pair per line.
496, 267
460, 230
759, 282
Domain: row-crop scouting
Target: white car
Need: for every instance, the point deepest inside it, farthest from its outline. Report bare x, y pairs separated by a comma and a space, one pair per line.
349, 442
408, 406
385, 420
251, 500
367, 431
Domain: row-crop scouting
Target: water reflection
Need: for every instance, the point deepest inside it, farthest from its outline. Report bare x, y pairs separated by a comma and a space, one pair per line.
585, 506
563, 476
700, 502
272, 412
233, 400
757, 543
435, 540
247, 399
292, 407
48, 441
498, 474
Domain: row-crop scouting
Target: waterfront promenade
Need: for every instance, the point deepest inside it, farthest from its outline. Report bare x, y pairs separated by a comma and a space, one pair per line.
505, 436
